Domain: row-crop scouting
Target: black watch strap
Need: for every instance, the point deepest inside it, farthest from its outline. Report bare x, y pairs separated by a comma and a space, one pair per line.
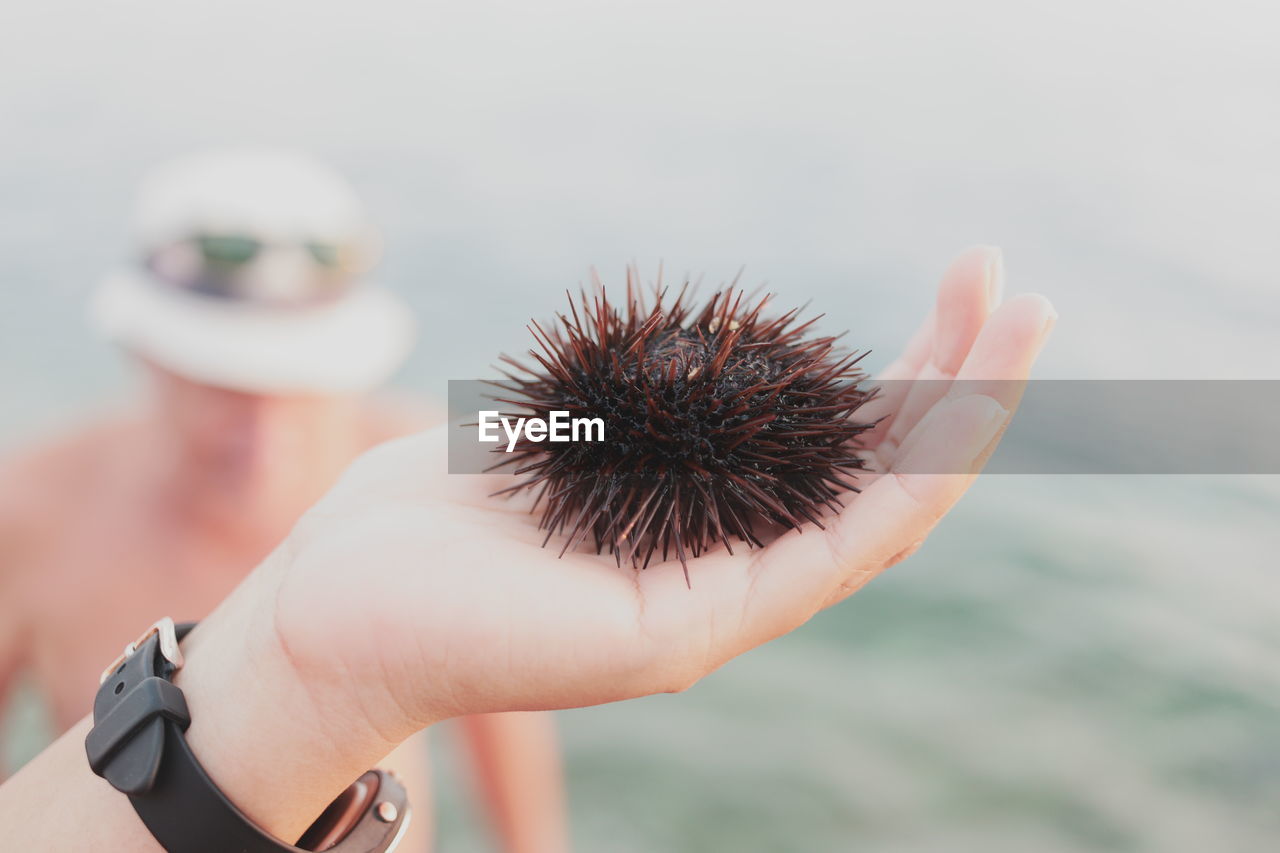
138, 744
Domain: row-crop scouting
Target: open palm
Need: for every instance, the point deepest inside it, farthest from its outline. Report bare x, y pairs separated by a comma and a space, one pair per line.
444, 596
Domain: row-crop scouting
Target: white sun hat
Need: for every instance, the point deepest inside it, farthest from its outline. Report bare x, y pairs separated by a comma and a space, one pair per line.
249, 275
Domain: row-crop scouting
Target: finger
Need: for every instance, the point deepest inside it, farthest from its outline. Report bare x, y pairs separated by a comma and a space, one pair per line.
1001, 358
724, 610
1011, 340
970, 289
692, 629
891, 519
996, 370
897, 510
893, 384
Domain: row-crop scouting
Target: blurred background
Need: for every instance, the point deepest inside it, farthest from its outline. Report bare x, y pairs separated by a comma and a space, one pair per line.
1071, 663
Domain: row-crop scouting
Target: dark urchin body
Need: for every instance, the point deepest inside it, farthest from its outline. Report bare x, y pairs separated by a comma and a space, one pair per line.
718, 423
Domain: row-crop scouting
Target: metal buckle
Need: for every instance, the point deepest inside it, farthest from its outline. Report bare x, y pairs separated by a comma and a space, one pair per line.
164, 629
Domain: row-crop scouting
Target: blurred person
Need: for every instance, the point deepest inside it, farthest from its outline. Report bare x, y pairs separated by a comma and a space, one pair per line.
248, 312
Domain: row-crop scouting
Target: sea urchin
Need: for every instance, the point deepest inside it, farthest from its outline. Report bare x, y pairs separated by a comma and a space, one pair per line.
719, 423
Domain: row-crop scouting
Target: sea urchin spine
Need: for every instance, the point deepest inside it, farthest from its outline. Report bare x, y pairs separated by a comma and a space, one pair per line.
719, 423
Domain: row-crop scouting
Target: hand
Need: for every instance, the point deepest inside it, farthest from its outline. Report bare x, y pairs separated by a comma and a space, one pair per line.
408, 596
440, 600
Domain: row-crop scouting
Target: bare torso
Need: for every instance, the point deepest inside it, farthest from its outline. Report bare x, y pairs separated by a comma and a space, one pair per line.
101, 552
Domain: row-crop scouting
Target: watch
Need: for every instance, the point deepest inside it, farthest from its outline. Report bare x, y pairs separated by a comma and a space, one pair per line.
138, 744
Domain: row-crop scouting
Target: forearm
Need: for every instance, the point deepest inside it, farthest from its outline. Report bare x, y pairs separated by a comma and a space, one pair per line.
255, 728
520, 775
55, 803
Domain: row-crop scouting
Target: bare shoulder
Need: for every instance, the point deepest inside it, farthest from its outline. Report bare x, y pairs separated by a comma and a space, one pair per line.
392, 414
41, 480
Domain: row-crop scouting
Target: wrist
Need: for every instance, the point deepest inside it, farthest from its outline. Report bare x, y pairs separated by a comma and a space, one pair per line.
278, 746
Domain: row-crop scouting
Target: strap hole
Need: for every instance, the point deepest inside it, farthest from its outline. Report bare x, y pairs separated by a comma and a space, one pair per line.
119, 687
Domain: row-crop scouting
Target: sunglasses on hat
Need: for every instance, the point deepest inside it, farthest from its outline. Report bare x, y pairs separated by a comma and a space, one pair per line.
232, 250
233, 266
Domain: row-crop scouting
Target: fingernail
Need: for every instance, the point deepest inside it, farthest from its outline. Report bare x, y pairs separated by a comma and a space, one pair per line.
986, 436
995, 277
994, 418
1049, 323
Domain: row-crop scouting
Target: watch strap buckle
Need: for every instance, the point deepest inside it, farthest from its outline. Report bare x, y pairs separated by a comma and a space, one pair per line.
167, 633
